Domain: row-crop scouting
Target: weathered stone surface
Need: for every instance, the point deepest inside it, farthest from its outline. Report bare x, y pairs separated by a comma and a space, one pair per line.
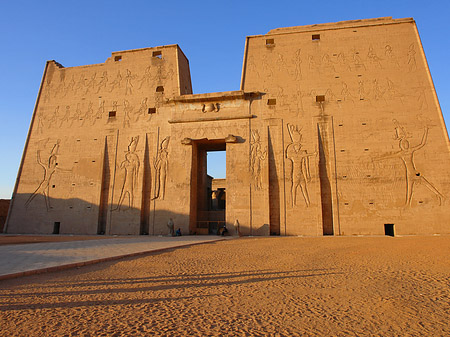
336, 130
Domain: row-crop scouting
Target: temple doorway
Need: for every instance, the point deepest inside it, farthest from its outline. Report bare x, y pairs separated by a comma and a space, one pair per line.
208, 187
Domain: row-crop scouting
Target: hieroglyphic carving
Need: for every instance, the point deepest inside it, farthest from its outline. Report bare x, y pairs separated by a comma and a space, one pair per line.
358, 64
90, 85
406, 154
40, 121
298, 64
89, 113
130, 168
327, 63
345, 93
103, 82
374, 59
257, 155
116, 82
300, 172
100, 112
412, 65
80, 84
146, 78
128, 84
54, 117
127, 110
390, 56
66, 116
142, 109
160, 164
70, 86
50, 167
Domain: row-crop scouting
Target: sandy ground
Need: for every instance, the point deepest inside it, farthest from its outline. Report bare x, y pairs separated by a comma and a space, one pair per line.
331, 286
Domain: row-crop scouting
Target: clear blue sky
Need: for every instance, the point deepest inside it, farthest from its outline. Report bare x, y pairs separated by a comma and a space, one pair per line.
211, 34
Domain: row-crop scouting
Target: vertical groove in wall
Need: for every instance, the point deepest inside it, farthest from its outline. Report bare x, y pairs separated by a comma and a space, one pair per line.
324, 178
284, 176
104, 192
146, 188
111, 205
274, 187
335, 180
153, 194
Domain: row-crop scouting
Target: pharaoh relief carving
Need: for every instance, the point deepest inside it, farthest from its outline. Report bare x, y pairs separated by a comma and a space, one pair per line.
257, 156
210, 107
50, 167
300, 171
160, 165
130, 172
413, 176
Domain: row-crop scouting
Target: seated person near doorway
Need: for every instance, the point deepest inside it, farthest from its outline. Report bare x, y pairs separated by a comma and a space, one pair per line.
222, 230
178, 233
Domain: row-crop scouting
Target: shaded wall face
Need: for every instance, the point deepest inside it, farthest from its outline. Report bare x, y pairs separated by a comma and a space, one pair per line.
363, 136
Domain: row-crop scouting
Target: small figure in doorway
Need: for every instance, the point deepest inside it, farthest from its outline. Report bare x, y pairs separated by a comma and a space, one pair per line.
178, 232
222, 230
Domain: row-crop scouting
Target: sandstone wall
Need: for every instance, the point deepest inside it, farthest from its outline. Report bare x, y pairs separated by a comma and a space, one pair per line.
336, 130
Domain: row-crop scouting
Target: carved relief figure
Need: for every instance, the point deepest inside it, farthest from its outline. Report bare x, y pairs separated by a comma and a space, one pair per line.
298, 64
375, 60
89, 113
161, 165
100, 112
117, 81
390, 56
300, 173
54, 117
91, 83
345, 93
103, 82
257, 155
127, 109
50, 168
80, 84
146, 78
130, 168
66, 116
142, 109
406, 154
69, 86
412, 65
357, 62
327, 63
128, 84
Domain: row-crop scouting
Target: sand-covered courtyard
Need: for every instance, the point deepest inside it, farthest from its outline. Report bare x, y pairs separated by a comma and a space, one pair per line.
328, 286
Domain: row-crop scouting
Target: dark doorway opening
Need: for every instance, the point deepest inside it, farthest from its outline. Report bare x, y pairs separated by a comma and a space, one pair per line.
56, 227
208, 188
389, 229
